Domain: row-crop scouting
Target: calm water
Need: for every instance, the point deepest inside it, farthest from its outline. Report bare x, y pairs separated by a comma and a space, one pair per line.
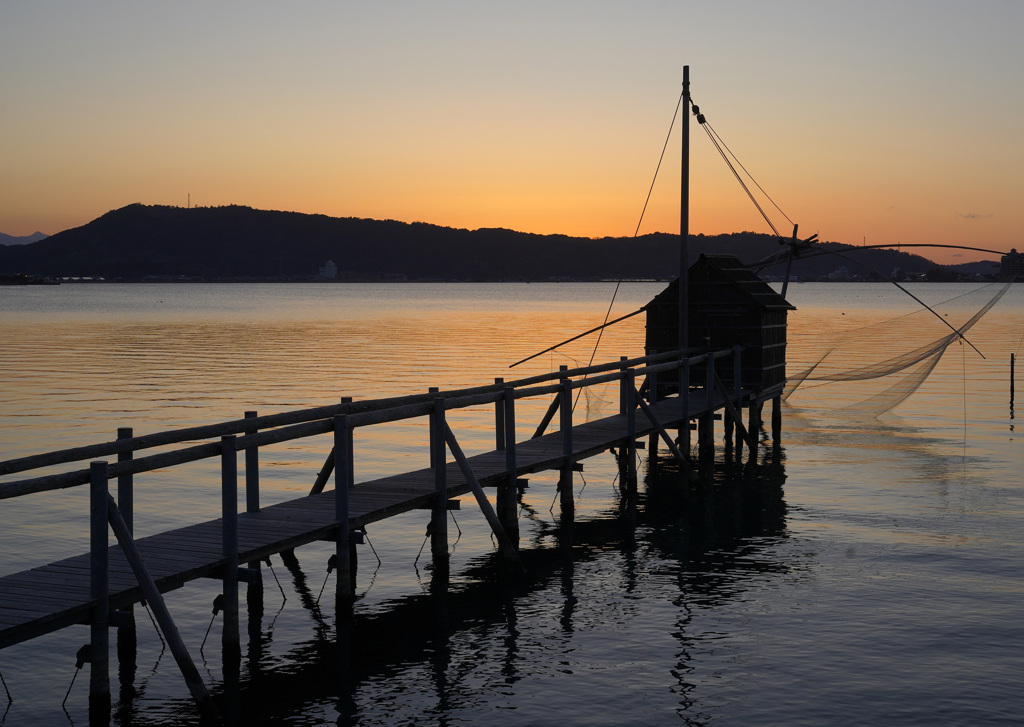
875, 577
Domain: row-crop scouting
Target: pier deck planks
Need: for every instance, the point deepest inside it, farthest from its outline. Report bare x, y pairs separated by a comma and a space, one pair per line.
54, 596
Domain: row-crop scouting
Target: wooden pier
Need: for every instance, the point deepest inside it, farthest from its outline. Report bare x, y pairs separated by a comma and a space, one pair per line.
99, 588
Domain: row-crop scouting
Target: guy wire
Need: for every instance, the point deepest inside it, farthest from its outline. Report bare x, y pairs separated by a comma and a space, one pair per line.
636, 232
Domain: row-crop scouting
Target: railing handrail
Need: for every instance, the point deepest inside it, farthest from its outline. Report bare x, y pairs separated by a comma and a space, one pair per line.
286, 426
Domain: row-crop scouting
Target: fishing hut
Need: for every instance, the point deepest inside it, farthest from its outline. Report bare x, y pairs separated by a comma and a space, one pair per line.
728, 307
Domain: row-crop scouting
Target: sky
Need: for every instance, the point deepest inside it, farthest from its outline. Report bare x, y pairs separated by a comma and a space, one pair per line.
866, 122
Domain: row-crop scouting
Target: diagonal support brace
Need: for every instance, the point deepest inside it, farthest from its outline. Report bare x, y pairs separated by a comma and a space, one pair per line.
668, 440
195, 684
507, 548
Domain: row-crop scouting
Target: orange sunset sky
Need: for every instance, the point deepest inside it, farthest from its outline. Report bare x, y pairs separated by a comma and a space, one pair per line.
896, 121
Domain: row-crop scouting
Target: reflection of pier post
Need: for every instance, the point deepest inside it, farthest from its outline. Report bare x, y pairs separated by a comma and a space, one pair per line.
441, 656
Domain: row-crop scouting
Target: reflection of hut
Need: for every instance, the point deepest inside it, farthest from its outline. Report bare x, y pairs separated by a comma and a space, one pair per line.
728, 305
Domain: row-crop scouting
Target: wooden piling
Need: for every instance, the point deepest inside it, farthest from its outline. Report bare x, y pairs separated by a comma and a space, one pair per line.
439, 518
777, 421
629, 405
342, 484
99, 623
508, 491
231, 639
127, 639
565, 484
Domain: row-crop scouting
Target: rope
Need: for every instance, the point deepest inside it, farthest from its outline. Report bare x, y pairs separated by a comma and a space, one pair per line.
284, 598
636, 232
766, 195
153, 621
963, 364
739, 179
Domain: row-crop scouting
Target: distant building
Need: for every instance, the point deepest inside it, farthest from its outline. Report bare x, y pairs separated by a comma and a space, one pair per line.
328, 272
1012, 265
841, 274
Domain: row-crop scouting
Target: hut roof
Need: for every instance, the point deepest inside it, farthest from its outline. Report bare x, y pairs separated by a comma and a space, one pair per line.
729, 270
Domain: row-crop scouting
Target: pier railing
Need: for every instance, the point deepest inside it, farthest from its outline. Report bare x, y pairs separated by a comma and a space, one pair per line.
253, 432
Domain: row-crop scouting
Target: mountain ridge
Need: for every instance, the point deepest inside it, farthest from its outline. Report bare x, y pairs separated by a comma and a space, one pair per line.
139, 242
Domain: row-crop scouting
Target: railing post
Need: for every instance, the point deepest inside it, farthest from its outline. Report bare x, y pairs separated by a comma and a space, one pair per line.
252, 471
623, 391
630, 381
351, 474
229, 544
499, 418
99, 666
508, 491
565, 424
125, 495
127, 639
342, 484
439, 518
254, 589
432, 446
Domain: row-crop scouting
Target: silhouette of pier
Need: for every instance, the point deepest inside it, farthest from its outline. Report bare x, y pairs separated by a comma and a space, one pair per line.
100, 588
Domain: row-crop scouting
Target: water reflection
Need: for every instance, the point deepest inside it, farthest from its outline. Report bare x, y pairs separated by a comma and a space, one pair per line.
468, 643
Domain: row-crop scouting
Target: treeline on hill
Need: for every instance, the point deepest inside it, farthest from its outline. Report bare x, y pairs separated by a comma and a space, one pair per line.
140, 242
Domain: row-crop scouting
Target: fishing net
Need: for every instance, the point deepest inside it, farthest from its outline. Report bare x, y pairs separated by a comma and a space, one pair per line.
910, 369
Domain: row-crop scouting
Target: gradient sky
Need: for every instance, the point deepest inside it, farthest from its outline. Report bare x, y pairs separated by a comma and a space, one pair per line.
895, 121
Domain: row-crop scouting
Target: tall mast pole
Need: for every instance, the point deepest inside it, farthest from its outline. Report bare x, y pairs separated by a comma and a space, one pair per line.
684, 220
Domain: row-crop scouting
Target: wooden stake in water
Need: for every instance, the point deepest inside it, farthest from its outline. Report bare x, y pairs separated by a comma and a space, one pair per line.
99, 674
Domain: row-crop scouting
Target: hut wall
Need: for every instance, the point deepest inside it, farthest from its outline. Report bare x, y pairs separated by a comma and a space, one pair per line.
721, 317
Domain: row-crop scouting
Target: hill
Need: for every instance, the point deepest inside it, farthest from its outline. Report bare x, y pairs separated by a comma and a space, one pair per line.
22, 240
220, 243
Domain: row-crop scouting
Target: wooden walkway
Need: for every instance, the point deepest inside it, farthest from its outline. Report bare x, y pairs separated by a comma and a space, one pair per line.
54, 596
